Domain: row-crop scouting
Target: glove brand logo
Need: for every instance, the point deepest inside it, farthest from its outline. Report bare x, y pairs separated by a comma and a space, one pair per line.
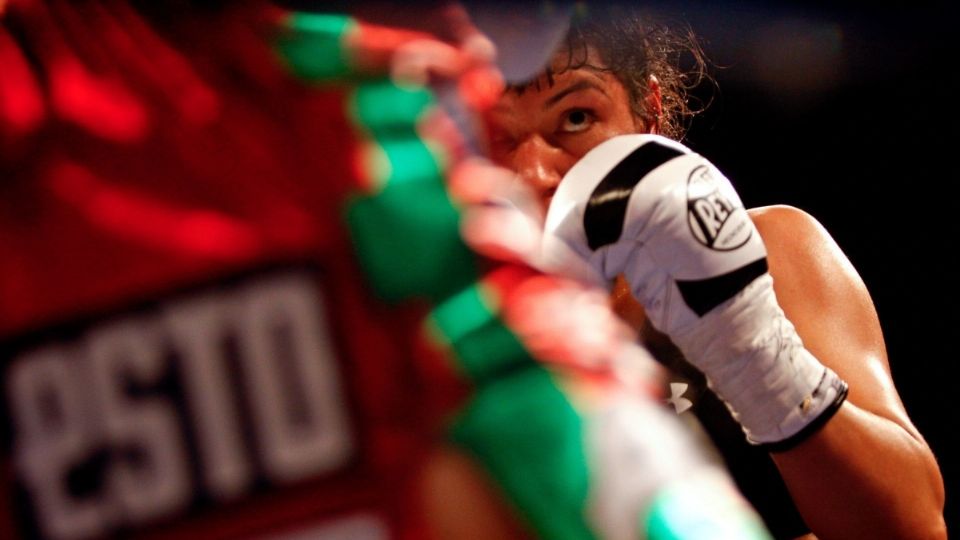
714, 220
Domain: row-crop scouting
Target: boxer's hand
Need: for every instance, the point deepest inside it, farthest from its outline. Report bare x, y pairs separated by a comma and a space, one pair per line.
673, 225
667, 218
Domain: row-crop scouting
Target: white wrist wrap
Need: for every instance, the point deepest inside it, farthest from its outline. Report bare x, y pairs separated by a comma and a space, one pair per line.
754, 360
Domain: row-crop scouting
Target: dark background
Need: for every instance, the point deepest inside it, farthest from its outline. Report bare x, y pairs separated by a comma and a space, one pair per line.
848, 111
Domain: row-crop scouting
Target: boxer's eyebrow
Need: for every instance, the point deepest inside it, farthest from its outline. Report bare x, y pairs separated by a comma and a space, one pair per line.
579, 86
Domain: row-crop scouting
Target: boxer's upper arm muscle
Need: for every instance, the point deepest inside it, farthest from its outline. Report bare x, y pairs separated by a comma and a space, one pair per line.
825, 298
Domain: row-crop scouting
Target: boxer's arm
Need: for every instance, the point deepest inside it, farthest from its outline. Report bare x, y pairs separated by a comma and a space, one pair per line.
867, 473
706, 286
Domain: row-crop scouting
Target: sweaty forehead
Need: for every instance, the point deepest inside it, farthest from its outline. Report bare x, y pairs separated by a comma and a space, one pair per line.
566, 63
546, 91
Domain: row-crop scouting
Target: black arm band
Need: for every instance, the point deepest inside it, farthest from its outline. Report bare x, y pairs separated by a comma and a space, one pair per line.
794, 440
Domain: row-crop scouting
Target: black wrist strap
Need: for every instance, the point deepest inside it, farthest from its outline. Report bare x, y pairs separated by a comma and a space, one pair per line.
792, 441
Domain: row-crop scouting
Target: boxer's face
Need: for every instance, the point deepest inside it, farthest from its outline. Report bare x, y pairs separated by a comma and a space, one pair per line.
543, 129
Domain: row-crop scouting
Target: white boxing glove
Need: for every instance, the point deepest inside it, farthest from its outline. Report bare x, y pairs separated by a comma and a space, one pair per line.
649, 208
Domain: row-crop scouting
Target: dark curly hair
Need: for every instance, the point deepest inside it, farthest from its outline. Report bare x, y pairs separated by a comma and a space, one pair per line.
634, 44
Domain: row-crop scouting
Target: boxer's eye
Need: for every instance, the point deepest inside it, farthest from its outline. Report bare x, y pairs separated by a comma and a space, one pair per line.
576, 120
